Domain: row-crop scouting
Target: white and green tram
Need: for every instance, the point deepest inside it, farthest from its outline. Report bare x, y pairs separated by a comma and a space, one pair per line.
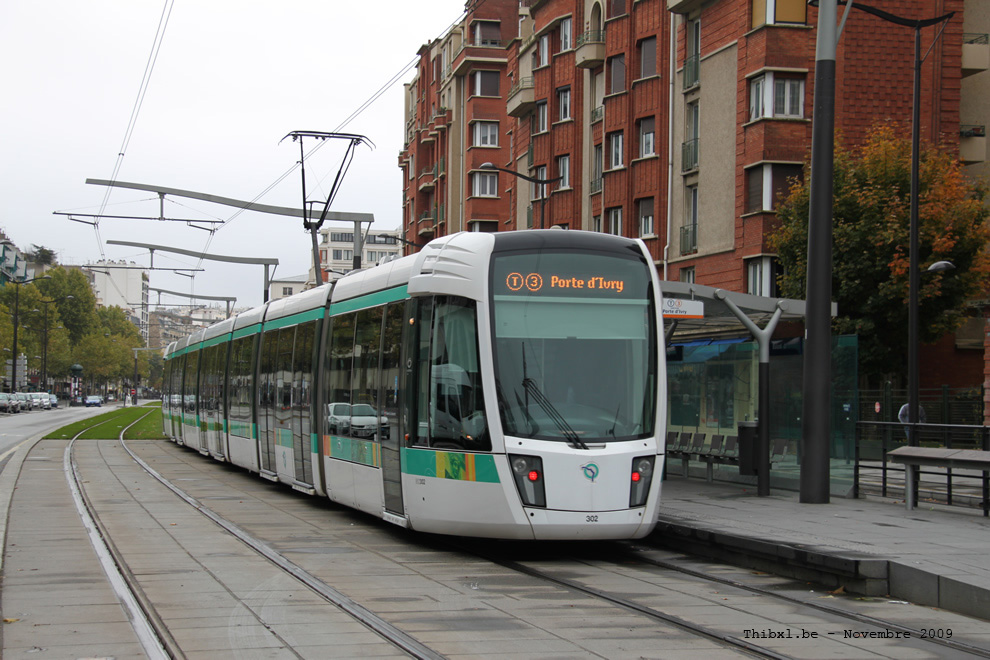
506, 385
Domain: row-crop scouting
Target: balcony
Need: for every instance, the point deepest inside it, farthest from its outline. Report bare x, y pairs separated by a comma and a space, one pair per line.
689, 239
590, 51
595, 186
975, 53
692, 71
471, 55
428, 179
972, 144
521, 98
684, 6
689, 155
598, 114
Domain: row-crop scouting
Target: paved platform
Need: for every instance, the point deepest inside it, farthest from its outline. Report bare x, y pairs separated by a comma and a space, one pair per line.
932, 555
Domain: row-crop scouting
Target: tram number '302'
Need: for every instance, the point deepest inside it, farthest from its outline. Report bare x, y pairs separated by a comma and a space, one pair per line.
591, 519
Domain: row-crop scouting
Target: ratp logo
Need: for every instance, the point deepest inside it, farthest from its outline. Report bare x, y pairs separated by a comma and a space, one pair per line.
590, 471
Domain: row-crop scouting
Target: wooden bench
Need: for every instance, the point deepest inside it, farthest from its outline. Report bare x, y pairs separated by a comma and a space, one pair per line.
914, 457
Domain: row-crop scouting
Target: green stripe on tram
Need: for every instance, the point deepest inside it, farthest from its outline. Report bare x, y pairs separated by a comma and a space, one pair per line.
295, 319
247, 331
370, 300
449, 465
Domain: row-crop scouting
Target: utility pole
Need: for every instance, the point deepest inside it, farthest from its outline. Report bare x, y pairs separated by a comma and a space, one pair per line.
314, 227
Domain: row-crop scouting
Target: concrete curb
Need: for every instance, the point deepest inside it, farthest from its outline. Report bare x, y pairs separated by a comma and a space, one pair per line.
856, 572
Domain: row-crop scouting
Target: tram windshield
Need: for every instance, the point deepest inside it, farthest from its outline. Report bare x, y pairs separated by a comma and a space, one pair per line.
575, 346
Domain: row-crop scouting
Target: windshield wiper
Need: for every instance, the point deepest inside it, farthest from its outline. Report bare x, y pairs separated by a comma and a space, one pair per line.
565, 429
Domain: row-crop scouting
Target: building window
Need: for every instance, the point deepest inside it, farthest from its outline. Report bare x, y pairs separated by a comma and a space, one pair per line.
485, 134
482, 226
772, 12
787, 98
616, 8
761, 277
564, 103
692, 59
486, 83
645, 212
286, 290
686, 275
646, 136
767, 184
613, 221
487, 33
542, 53
564, 171
540, 117
617, 74
615, 150
539, 190
691, 148
484, 184
565, 34
648, 57
689, 231
596, 223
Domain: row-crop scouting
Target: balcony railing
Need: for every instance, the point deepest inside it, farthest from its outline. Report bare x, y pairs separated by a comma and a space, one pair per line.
689, 239
689, 155
595, 186
692, 71
976, 38
597, 114
590, 37
972, 130
529, 217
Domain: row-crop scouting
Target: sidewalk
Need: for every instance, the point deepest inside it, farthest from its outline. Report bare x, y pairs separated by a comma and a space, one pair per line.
933, 555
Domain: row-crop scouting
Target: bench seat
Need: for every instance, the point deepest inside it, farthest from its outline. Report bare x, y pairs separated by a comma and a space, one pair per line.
962, 459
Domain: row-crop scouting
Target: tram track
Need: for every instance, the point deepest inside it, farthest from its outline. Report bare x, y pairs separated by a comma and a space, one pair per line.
578, 574
151, 629
868, 626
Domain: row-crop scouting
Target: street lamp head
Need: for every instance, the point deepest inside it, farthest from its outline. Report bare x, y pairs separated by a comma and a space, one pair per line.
940, 266
487, 166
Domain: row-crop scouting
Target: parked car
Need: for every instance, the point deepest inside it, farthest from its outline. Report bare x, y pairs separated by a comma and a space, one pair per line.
94, 400
7, 405
40, 400
24, 400
54, 400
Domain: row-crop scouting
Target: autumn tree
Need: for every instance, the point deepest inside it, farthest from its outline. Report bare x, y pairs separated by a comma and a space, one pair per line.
870, 254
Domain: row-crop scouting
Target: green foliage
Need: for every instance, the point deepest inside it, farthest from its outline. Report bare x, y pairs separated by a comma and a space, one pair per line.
870, 252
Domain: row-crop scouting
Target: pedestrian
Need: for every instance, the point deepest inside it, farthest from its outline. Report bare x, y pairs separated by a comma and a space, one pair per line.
904, 417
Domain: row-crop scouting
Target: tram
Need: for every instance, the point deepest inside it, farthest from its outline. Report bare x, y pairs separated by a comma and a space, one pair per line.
507, 385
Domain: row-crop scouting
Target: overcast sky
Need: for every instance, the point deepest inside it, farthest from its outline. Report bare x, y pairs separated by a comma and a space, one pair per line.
231, 79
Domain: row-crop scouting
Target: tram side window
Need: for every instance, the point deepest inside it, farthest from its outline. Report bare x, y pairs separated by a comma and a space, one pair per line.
456, 410
241, 384
340, 357
189, 389
266, 383
283, 376
391, 368
365, 410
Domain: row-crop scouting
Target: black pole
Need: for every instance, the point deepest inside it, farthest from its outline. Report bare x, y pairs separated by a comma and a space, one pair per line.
914, 276
815, 419
763, 437
44, 353
13, 379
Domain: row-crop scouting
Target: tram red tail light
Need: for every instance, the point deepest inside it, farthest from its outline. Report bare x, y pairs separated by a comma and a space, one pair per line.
641, 478
527, 471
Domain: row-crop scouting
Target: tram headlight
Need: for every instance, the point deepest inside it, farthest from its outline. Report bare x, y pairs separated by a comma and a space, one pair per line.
527, 471
641, 478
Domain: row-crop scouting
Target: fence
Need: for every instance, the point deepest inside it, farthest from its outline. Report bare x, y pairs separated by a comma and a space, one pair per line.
875, 439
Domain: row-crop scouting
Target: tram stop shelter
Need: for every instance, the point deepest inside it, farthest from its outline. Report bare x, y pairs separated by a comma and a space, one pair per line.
719, 347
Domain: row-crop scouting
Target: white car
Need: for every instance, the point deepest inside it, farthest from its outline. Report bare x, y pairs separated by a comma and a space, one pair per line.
359, 420
41, 401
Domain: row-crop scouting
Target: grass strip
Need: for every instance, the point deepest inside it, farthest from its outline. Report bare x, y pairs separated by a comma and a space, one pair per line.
109, 425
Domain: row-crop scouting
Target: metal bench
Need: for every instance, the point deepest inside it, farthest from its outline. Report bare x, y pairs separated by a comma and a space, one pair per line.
914, 457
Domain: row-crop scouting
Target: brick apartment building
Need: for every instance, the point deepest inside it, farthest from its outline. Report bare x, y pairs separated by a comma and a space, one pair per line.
676, 121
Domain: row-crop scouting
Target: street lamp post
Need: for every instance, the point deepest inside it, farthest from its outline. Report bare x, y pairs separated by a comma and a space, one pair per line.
44, 351
540, 182
13, 362
914, 272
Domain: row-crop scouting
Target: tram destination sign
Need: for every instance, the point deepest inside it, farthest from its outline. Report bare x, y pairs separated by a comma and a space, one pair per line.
569, 276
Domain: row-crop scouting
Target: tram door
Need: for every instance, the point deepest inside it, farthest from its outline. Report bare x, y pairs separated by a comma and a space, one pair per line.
267, 401
392, 374
302, 398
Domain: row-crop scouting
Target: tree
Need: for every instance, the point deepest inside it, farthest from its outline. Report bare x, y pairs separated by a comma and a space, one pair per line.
41, 255
78, 313
870, 255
